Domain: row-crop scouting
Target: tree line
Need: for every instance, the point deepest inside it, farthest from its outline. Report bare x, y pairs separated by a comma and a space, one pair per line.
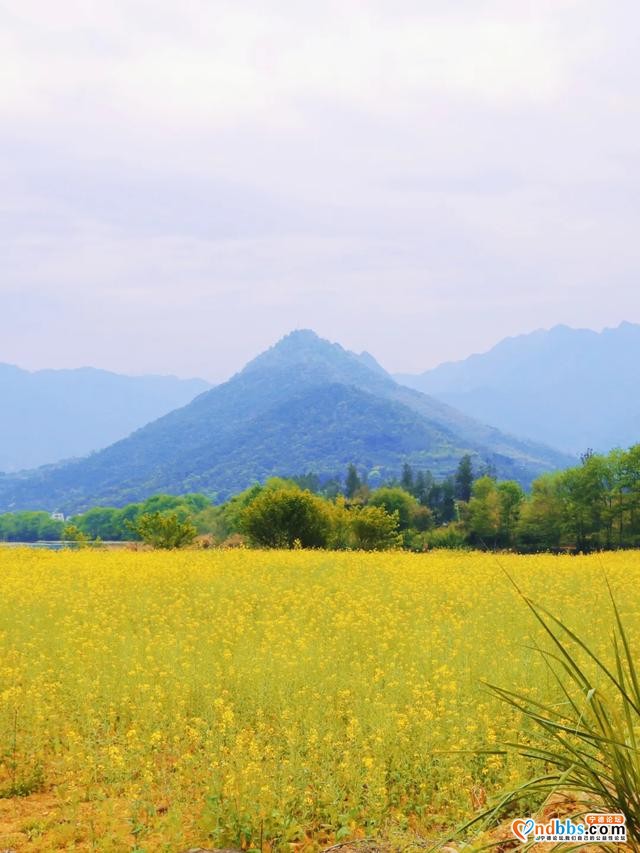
593, 505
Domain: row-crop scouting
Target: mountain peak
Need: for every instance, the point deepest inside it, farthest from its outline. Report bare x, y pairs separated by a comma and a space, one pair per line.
299, 340
300, 336
305, 404
569, 387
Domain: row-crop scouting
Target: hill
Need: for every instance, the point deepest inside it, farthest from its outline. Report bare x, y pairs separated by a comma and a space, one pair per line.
570, 388
49, 415
304, 404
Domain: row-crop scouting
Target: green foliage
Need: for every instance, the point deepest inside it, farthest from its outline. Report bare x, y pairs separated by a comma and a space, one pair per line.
106, 523
449, 536
165, 530
395, 500
540, 522
464, 479
510, 498
284, 516
406, 480
111, 524
483, 513
72, 533
422, 519
353, 482
29, 527
441, 501
374, 529
340, 535
492, 514
592, 505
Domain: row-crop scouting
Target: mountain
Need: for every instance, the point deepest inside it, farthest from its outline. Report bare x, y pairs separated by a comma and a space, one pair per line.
304, 404
49, 415
571, 388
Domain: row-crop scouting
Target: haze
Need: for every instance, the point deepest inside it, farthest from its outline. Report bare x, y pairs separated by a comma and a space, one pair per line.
183, 183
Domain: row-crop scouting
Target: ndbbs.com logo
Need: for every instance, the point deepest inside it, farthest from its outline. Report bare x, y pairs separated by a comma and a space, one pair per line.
590, 827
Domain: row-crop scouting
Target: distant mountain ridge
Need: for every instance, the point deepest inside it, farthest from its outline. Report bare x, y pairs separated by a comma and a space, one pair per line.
570, 388
50, 415
303, 405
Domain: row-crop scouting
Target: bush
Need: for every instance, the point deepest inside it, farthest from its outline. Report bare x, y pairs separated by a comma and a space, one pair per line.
340, 536
278, 518
164, 530
451, 536
373, 529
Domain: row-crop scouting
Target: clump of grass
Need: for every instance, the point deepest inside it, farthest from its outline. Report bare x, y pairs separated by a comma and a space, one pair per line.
589, 742
24, 787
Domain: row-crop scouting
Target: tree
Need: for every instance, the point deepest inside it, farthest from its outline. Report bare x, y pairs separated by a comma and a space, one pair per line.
281, 518
309, 482
165, 530
483, 513
423, 485
406, 480
29, 526
540, 522
464, 479
629, 497
584, 492
105, 523
353, 481
448, 501
510, 498
72, 533
394, 499
422, 519
374, 529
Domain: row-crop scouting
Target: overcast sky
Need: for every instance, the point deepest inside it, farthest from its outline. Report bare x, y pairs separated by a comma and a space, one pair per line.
181, 183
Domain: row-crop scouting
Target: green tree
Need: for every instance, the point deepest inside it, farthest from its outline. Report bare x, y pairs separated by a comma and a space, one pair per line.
441, 501
29, 526
393, 499
423, 484
374, 529
105, 523
407, 479
628, 497
422, 519
278, 518
353, 482
309, 482
463, 480
510, 498
483, 512
165, 530
584, 492
540, 523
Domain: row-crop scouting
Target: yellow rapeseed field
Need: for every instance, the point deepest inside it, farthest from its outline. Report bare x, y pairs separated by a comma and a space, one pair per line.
157, 701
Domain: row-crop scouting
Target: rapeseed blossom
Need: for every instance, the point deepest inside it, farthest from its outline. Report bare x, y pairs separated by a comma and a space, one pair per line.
158, 701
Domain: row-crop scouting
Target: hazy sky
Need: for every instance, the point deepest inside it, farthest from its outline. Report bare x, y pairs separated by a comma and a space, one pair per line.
181, 183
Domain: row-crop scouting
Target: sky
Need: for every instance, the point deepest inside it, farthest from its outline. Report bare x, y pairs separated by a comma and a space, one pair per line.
181, 184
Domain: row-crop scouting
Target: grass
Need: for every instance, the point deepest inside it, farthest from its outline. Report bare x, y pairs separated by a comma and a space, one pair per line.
283, 700
588, 742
